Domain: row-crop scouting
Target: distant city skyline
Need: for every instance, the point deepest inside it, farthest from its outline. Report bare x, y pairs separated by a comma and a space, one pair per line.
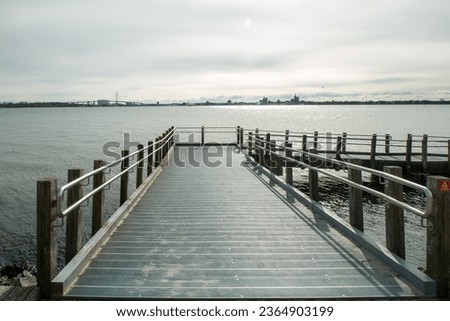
242, 50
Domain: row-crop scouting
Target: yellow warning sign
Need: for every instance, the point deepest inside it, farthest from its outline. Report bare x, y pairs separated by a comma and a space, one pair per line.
444, 186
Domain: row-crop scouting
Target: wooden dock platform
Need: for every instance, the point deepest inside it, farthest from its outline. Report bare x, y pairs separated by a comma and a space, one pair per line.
227, 232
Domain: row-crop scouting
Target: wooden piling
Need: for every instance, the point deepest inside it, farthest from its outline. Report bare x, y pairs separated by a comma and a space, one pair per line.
356, 212
98, 199
408, 153
286, 137
124, 178
149, 158
425, 153
338, 148
438, 236
313, 177
395, 222
316, 140
241, 137
203, 136
387, 143
266, 158
373, 150
46, 235
287, 161
238, 133
140, 167
157, 152
344, 142
250, 144
74, 221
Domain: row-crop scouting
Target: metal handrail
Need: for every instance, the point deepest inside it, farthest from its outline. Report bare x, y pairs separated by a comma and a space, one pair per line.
61, 213
428, 195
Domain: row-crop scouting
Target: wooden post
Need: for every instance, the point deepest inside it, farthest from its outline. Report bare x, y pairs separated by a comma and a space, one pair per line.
338, 148
425, 153
203, 136
74, 222
238, 132
46, 235
250, 144
408, 153
241, 138
387, 143
304, 147
286, 137
313, 178
356, 215
140, 167
316, 140
373, 150
438, 236
344, 142
157, 152
267, 155
395, 222
98, 199
260, 150
124, 178
288, 154
149, 158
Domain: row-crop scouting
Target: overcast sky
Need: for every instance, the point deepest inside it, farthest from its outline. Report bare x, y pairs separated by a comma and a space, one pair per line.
165, 50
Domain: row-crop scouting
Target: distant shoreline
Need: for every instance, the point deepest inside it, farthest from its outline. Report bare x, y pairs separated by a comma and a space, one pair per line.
93, 104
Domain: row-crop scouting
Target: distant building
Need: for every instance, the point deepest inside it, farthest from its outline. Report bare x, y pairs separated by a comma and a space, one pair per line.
264, 101
295, 100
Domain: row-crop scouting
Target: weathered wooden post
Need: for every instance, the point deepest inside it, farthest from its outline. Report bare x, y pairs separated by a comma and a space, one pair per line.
149, 158
250, 144
316, 140
356, 214
238, 132
98, 199
140, 167
373, 150
425, 153
344, 142
338, 148
287, 162
74, 222
408, 153
46, 235
157, 152
241, 137
267, 155
313, 177
304, 147
395, 222
438, 236
286, 137
387, 143
124, 178
203, 136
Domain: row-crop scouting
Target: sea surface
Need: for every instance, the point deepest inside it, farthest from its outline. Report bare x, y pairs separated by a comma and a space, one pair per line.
46, 142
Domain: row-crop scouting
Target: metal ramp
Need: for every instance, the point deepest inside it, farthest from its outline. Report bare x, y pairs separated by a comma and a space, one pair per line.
229, 231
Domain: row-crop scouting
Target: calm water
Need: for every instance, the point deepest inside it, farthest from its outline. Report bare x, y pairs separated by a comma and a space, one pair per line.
37, 143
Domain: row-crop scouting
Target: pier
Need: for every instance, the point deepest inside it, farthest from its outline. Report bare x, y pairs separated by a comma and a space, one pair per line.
211, 213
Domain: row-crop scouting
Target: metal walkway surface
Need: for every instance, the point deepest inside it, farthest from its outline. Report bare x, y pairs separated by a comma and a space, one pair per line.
217, 232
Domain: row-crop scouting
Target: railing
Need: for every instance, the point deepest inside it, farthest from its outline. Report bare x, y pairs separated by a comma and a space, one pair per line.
278, 155
51, 207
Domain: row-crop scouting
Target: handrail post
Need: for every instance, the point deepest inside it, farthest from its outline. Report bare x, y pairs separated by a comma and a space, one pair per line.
149, 158
395, 222
356, 213
387, 143
124, 178
267, 155
316, 140
140, 167
408, 153
250, 144
203, 136
286, 137
287, 163
157, 152
438, 236
313, 178
425, 153
338, 148
98, 200
344, 142
74, 222
238, 132
373, 150
304, 146
241, 138
46, 235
